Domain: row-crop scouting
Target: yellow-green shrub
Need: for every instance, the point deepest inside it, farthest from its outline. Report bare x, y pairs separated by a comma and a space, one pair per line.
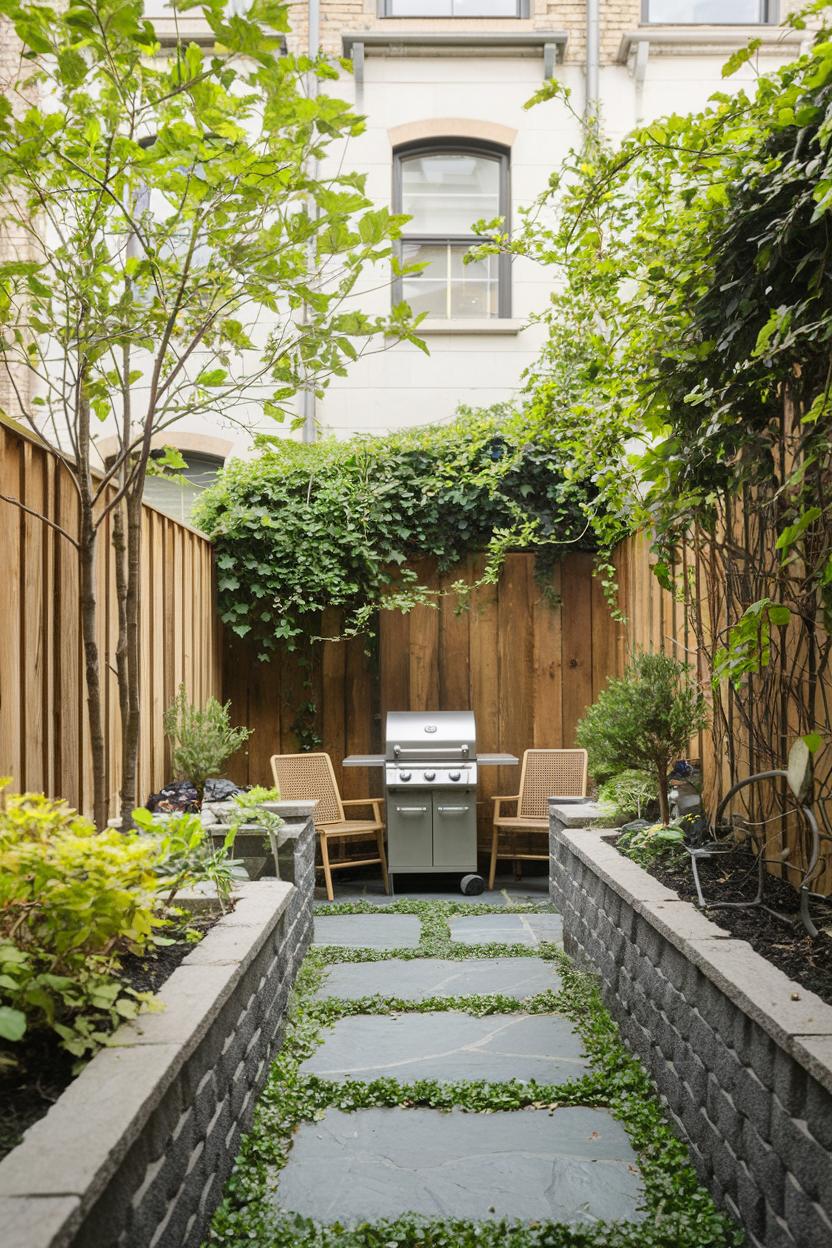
72, 900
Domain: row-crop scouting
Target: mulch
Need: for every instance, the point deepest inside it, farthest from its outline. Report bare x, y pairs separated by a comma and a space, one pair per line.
780, 938
29, 1090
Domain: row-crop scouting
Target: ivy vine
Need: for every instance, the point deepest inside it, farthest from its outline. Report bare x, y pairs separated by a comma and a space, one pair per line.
337, 524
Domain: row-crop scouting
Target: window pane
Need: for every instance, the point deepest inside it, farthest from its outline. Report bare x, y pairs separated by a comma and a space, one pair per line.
467, 290
707, 12
486, 8
427, 291
474, 286
446, 192
419, 8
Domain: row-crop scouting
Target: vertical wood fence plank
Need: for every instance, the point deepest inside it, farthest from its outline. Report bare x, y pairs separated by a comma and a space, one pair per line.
577, 642
454, 644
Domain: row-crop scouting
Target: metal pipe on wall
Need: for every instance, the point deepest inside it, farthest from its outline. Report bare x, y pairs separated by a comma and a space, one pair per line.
313, 45
593, 58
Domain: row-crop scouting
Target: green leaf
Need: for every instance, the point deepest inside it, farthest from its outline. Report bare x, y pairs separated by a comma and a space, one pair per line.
12, 1024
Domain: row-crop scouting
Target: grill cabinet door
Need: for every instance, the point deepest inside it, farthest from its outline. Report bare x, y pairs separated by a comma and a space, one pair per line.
455, 831
409, 830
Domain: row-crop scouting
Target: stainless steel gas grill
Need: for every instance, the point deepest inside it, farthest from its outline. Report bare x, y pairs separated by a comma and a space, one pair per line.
430, 783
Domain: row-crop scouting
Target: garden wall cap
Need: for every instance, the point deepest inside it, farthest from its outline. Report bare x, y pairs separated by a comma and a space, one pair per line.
79, 1144
576, 814
26, 1222
795, 1018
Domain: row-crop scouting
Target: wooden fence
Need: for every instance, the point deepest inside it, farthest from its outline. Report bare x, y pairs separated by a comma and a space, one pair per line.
527, 658
44, 736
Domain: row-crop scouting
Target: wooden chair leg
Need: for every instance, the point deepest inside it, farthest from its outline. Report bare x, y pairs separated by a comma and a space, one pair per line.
518, 869
384, 878
327, 870
492, 870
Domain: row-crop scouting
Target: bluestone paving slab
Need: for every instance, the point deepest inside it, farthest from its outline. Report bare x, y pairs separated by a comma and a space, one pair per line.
574, 1165
507, 892
506, 929
368, 931
449, 1046
421, 978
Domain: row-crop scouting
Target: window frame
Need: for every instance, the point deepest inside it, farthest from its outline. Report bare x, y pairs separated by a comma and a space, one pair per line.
523, 10
769, 16
463, 147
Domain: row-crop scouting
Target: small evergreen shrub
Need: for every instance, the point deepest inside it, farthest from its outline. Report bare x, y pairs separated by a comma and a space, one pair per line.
201, 740
645, 720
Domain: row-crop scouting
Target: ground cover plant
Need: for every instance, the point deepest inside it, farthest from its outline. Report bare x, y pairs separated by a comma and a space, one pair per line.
333, 525
680, 1214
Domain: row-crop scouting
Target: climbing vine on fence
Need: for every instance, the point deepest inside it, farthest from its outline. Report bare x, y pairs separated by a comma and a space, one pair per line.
334, 524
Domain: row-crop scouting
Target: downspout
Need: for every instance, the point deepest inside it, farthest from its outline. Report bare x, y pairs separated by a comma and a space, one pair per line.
310, 431
593, 58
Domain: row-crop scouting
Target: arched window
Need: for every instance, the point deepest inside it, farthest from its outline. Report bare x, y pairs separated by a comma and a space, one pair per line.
176, 493
445, 186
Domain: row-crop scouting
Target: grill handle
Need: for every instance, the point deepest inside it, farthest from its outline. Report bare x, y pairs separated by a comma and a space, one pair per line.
453, 810
411, 810
434, 751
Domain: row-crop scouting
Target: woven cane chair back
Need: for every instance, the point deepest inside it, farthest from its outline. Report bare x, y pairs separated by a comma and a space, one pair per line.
550, 773
309, 778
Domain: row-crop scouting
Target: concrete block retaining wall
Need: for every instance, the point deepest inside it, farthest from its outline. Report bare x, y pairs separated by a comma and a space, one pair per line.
741, 1054
136, 1151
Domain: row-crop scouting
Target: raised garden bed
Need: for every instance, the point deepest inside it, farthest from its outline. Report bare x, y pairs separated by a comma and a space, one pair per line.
29, 1091
803, 958
137, 1148
741, 1053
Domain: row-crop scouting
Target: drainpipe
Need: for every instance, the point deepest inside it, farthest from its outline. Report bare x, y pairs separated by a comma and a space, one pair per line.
593, 57
310, 431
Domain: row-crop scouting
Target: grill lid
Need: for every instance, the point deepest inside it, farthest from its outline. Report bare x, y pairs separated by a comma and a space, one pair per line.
415, 736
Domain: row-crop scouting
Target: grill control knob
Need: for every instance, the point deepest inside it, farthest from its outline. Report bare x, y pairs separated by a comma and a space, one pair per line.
454, 775
430, 775
404, 775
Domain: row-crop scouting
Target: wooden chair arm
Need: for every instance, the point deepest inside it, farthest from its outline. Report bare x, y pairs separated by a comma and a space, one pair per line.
498, 803
375, 802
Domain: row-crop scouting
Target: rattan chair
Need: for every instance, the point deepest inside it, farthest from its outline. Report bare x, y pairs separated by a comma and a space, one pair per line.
545, 774
310, 777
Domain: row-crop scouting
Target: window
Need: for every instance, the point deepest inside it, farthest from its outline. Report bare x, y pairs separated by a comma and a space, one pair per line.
709, 12
445, 187
176, 493
454, 8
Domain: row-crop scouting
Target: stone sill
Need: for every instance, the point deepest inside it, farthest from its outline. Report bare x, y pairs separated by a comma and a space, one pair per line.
51, 1181
471, 325
703, 40
795, 1018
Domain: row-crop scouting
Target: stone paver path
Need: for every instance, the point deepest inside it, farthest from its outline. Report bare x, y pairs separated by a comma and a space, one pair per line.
422, 978
506, 929
575, 1165
367, 931
549, 1161
450, 1046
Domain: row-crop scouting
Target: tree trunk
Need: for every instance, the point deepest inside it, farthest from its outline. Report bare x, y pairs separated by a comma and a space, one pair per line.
132, 616
87, 561
120, 550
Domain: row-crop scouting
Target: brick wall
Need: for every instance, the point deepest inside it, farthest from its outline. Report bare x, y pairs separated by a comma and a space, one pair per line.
741, 1056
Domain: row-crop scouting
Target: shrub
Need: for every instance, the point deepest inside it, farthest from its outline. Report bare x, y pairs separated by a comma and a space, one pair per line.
201, 740
72, 900
628, 792
643, 720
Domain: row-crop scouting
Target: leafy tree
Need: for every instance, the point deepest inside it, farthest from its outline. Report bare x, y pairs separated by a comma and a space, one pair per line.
181, 258
644, 720
202, 740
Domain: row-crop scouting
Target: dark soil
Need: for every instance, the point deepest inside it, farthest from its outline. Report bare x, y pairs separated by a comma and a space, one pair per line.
782, 940
45, 1069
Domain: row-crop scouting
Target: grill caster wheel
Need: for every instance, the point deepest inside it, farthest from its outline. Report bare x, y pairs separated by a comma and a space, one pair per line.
472, 885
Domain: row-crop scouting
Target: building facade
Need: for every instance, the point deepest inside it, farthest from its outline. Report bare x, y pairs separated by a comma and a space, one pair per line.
443, 84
